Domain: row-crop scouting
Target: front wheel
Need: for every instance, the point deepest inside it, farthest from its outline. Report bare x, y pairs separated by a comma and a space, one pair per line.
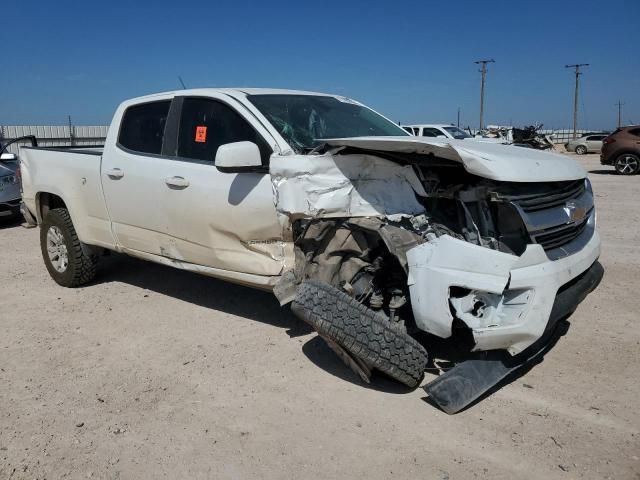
69, 262
361, 337
627, 164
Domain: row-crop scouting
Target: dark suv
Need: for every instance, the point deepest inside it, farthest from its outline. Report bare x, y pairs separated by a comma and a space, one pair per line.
622, 150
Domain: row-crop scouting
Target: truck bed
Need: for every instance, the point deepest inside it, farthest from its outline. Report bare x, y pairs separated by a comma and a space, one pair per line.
72, 173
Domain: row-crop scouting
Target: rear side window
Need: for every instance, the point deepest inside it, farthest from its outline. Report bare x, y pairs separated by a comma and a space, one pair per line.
431, 132
142, 128
205, 124
635, 131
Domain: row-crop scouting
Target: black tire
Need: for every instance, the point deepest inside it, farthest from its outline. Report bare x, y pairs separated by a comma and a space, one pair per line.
361, 331
627, 164
581, 150
81, 265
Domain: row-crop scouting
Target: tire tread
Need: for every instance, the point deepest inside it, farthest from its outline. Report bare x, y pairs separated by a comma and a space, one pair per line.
362, 331
82, 264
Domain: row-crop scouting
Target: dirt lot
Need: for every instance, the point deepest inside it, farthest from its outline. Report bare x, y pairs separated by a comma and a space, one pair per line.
152, 372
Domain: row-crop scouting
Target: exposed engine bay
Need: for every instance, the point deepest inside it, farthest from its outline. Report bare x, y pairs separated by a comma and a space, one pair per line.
426, 243
367, 256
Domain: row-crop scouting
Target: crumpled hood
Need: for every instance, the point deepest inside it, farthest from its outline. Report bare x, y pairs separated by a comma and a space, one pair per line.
488, 160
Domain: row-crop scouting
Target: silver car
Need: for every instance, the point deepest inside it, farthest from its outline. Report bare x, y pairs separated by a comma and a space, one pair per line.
586, 144
9, 186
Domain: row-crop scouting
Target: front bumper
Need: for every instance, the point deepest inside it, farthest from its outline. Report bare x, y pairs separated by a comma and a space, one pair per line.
504, 299
469, 380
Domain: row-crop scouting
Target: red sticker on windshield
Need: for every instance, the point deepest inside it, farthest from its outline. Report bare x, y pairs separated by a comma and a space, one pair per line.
201, 134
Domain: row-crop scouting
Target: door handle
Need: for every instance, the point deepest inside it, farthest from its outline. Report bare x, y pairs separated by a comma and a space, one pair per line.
115, 173
176, 182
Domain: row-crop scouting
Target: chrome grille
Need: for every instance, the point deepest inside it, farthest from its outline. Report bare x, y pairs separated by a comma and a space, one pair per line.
542, 201
560, 217
556, 237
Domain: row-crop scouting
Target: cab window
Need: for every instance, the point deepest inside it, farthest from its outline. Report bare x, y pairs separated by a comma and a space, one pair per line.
432, 132
206, 124
142, 127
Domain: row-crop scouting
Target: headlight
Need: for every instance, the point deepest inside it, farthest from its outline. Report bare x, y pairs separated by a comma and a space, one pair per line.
9, 180
587, 186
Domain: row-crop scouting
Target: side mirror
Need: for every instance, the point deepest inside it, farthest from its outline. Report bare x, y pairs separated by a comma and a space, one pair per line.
239, 157
8, 157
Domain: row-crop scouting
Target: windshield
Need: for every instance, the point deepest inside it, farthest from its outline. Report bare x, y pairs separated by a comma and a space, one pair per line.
304, 120
457, 133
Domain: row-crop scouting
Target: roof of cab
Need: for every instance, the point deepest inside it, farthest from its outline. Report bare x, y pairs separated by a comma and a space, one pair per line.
230, 91
441, 125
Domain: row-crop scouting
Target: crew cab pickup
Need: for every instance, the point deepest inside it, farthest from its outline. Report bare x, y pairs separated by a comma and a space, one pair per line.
371, 234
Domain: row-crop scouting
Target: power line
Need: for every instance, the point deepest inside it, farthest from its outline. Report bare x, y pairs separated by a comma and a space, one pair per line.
483, 71
575, 97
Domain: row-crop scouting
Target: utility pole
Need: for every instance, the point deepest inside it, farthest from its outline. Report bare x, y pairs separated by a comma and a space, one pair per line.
71, 132
619, 104
458, 117
483, 71
575, 97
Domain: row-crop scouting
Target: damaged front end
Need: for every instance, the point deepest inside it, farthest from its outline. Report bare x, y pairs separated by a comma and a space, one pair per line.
429, 245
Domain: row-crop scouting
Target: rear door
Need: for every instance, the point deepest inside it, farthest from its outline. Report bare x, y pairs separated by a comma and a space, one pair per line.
222, 220
594, 142
133, 172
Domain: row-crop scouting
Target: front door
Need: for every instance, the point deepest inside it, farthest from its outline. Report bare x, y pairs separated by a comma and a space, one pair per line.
222, 220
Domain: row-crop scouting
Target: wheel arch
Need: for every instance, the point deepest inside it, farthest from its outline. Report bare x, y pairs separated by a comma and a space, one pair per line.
46, 201
625, 151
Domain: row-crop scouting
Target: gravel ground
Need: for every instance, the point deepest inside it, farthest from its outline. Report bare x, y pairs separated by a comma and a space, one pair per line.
152, 372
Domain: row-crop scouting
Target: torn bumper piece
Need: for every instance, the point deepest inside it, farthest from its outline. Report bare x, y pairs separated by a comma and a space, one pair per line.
470, 380
504, 299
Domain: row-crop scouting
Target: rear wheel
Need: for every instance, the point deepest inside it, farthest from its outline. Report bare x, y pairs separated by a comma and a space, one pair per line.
581, 149
627, 164
362, 338
69, 262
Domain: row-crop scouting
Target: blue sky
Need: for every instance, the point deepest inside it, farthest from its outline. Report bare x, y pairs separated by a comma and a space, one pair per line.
412, 61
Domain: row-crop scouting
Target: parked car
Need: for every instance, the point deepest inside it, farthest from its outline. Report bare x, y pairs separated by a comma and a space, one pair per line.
586, 144
372, 235
446, 132
9, 186
622, 150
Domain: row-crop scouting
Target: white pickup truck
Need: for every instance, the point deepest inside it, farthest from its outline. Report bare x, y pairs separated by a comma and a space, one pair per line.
371, 234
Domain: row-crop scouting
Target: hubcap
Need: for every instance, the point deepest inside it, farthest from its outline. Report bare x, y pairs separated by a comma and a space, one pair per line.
57, 249
627, 164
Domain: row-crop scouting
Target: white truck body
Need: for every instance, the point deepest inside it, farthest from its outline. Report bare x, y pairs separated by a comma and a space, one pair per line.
241, 226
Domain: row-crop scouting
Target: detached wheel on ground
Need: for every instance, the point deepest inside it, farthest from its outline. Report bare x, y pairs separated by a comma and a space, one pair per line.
361, 335
69, 262
581, 150
627, 164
